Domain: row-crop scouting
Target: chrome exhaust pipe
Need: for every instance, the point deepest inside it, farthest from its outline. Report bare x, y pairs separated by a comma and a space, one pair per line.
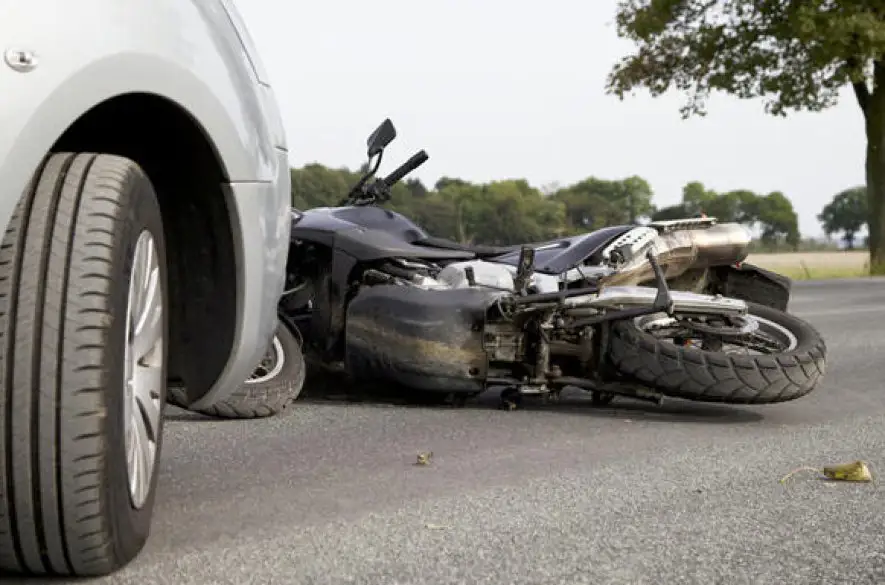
684, 249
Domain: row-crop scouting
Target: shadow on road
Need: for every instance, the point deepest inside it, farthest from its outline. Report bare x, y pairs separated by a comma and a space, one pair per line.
572, 401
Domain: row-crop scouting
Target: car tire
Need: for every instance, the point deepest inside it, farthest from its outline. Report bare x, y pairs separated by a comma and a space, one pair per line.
85, 243
269, 391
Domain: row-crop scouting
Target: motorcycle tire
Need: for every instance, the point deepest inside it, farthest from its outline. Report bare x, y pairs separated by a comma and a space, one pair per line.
264, 394
712, 376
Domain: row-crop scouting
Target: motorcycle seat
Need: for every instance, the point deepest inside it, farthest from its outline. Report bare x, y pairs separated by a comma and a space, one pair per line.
481, 251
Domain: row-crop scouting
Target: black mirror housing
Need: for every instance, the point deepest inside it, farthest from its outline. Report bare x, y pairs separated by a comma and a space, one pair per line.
380, 138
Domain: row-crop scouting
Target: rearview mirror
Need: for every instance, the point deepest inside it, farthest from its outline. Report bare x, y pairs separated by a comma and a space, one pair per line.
381, 137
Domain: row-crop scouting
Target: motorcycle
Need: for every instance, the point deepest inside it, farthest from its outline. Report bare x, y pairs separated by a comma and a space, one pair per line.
643, 311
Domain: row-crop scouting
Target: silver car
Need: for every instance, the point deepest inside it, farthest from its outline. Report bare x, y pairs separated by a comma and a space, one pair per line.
145, 188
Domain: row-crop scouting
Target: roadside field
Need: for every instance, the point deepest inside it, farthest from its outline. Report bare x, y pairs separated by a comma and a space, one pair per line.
814, 265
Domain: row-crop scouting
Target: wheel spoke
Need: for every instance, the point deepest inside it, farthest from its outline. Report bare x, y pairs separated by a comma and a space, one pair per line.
271, 364
132, 453
760, 340
140, 269
135, 468
149, 319
144, 367
147, 397
142, 455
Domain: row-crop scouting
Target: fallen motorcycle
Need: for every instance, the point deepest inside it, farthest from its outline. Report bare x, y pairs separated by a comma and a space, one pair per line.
645, 311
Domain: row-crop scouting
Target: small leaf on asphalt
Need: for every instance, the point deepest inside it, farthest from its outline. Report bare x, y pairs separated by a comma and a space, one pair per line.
424, 458
856, 471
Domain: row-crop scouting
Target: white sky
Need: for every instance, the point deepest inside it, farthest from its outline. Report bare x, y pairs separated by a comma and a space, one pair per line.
497, 89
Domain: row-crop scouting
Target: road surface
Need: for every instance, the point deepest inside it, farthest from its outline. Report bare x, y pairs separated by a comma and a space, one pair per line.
572, 494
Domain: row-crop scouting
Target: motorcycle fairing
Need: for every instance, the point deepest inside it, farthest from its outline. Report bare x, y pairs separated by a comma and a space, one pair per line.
368, 233
424, 339
559, 256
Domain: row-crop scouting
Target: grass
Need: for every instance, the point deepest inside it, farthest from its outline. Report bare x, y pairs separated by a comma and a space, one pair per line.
815, 265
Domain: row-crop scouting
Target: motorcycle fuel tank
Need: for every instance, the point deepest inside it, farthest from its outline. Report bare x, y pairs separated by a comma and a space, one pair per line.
367, 233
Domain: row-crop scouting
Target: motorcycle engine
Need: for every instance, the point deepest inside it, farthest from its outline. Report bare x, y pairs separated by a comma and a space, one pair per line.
484, 273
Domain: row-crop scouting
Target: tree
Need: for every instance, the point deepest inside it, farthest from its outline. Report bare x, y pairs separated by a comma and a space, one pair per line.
594, 203
444, 182
846, 213
772, 214
795, 54
450, 211
778, 220
677, 211
416, 188
513, 212
315, 185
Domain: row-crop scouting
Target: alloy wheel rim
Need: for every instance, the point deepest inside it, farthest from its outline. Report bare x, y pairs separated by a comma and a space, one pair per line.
755, 325
143, 359
271, 364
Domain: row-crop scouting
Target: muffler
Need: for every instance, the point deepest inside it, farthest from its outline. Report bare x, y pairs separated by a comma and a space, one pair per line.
680, 250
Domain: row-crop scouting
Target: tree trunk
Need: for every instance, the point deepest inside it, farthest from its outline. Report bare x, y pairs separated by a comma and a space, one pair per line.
875, 169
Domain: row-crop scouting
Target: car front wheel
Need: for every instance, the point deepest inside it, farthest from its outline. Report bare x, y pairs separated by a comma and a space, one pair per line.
83, 354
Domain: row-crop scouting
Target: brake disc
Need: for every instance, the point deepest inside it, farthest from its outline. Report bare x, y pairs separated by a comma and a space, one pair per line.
748, 327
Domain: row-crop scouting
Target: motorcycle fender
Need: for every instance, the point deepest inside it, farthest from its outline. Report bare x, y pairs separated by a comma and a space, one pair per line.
753, 284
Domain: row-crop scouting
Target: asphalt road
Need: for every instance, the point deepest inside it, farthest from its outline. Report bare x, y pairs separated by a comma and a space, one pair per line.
573, 494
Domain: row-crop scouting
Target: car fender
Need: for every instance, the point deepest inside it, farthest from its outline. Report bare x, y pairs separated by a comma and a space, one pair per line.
194, 53
89, 51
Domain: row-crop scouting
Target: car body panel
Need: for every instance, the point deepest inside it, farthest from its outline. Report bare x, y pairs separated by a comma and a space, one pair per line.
190, 53
257, 205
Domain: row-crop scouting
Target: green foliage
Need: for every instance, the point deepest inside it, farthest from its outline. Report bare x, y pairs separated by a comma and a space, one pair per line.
773, 214
594, 203
678, 211
794, 54
315, 185
846, 213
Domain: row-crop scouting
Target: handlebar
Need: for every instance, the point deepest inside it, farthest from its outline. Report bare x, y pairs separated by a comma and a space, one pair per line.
379, 190
407, 167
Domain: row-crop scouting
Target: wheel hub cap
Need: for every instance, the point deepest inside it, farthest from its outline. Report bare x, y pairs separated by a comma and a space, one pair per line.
143, 359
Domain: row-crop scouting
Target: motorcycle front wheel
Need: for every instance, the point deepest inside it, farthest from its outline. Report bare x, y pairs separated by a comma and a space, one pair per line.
274, 385
770, 357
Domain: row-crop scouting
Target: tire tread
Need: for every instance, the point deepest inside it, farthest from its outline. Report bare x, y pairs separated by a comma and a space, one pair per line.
259, 400
707, 376
56, 263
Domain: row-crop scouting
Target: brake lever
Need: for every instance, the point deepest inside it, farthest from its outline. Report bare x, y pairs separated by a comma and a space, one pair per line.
379, 191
